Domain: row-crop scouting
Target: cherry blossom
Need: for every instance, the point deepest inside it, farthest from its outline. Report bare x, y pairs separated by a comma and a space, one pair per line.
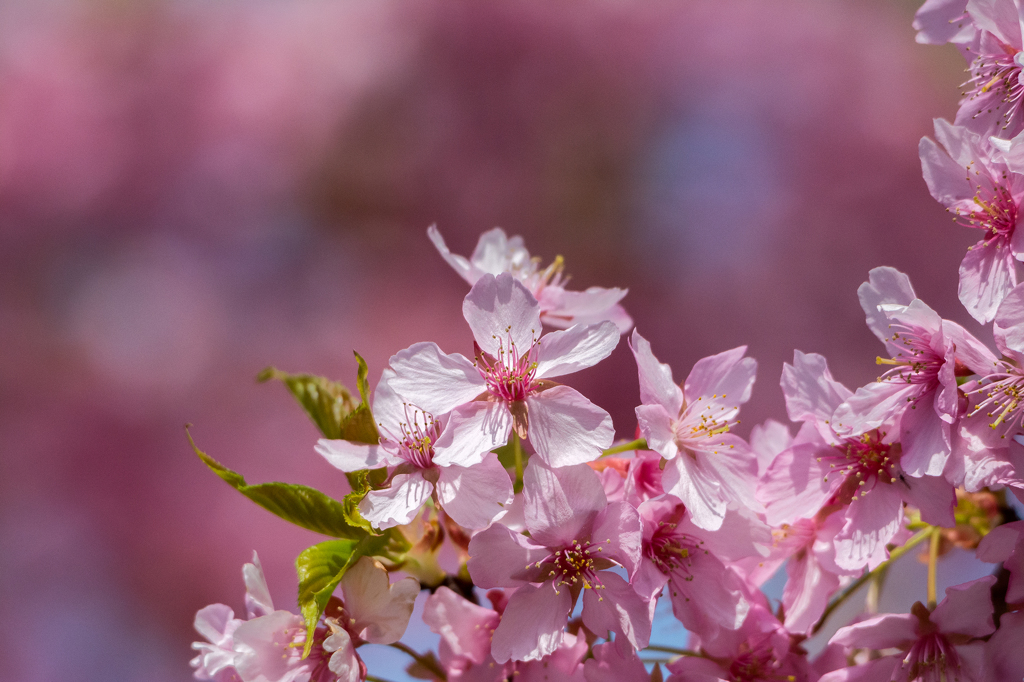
977, 184
575, 536
473, 489
934, 644
509, 386
708, 468
496, 253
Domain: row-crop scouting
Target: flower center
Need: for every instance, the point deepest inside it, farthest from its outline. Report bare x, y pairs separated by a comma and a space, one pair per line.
512, 375
995, 211
671, 551
1003, 399
994, 74
708, 419
864, 461
918, 364
575, 566
932, 659
757, 664
416, 437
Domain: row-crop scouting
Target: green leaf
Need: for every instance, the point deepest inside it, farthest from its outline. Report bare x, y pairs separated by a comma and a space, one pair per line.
320, 568
328, 403
303, 506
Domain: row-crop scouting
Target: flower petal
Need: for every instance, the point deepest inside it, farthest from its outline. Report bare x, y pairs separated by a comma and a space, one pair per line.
618, 608
475, 496
797, 483
582, 346
987, 273
811, 392
656, 426
881, 632
397, 505
885, 286
460, 264
531, 626
925, 439
656, 384
381, 611
618, 532
344, 661
464, 626
702, 494
871, 521
725, 374
434, 381
565, 428
348, 456
499, 557
967, 609
561, 503
473, 430
257, 595
502, 314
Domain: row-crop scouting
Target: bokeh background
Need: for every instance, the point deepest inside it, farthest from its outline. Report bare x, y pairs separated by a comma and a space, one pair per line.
192, 191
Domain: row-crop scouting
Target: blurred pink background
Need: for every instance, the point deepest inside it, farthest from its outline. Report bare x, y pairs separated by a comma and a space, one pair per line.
190, 192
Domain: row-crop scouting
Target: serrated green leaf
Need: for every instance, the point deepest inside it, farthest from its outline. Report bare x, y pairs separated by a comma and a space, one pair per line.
328, 403
299, 504
320, 568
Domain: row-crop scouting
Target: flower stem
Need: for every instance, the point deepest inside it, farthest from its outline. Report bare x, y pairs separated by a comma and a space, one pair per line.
895, 554
638, 444
427, 662
517, 452
933, 560
672, 650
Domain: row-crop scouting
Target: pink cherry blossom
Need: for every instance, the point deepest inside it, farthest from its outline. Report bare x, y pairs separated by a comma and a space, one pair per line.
861, 477
760, 651
919, 393
934, 645
496, 253
983, 190
944, 21
1005, 544
707, 595
575, 535
509, 386
473, 490
708, 468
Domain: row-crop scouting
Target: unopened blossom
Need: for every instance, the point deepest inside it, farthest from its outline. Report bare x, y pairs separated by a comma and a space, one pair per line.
575, 536
465, 648
919, 393
760, 651
936, 645
708, 468
707, 595
859, 476
473, 489
509, 385
496, 253
983, 190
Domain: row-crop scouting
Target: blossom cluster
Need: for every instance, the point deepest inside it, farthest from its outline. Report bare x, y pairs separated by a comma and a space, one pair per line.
545, 546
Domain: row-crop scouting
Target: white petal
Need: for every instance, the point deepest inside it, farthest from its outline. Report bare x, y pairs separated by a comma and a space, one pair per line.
397, 505
473, 430
565, 428
565, 352
477, 495
348, 456
459, 263
257, 595
502, 313
435, 382
885, 286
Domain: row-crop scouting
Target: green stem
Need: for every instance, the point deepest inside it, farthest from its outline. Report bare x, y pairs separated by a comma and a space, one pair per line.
672, 650
638, 444
895, 554
933, 560
427, 663
517, 451
371, 678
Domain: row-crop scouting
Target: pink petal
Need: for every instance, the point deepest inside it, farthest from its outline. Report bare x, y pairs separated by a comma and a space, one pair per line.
435, 382
767, 441
499, 557
742, 534
885, 285
257, 595
944, 168
380, 610
807, 592
701, 493
564, 664
871, 521
618, 532
648, 580
264, 647
609, 665
873, 405
987, 273
348, 456
582, 346
496, 253
936, 22
728, 460
1003, 652
708, 596
472, 431
999, 544
565, 428
725, 374
881, 632
532, 624
561, 503
967, 609
795, 485
656, 427
474, 496
460, 264
878, 670
968, 349
618, 608
811, 392
925, 439
397, 505
344, 661
656, 384
998, 17
213, 622
463, 625
502, 313
934, 496
1009, 320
